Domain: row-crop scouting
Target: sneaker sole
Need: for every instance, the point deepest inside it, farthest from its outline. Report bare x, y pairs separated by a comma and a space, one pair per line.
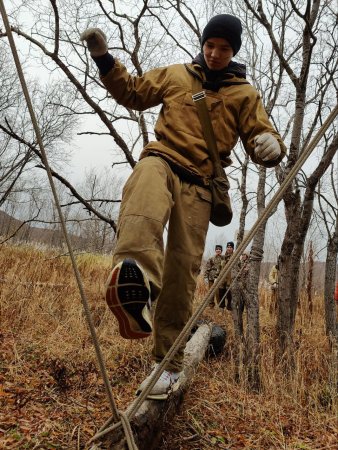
155, 396
158, 397
132, 291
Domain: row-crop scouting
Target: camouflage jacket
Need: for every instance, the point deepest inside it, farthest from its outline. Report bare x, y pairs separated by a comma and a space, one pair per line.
213, 267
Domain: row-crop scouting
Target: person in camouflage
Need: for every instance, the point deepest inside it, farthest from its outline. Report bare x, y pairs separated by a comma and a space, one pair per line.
212, 270
224, 292
243, 279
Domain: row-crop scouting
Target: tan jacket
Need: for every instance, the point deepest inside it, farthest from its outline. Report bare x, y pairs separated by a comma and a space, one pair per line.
273, 275
236, 111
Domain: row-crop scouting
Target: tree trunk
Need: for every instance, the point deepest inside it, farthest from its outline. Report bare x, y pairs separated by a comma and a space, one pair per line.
298, 221
237, 317
309, 281
252, 338
330, 279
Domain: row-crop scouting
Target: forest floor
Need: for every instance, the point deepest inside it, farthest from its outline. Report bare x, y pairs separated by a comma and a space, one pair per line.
52, 395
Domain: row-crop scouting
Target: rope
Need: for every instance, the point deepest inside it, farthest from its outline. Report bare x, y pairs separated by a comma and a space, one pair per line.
225, 271
256, 254
116, 413
128, 431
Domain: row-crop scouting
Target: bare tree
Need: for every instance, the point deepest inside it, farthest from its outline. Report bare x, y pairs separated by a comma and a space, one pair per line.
13, 159
328, 206
268, 80
312, 92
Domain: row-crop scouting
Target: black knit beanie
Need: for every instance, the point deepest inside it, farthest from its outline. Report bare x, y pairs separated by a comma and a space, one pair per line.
230, 244
219, 247
224, 26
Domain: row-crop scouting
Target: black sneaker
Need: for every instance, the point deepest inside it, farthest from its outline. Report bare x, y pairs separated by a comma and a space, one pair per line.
128, 297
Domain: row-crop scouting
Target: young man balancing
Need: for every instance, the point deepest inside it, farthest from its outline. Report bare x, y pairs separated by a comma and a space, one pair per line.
170, 183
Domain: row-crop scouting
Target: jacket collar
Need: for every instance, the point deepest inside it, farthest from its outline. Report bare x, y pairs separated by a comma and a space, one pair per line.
234, 68
215, 79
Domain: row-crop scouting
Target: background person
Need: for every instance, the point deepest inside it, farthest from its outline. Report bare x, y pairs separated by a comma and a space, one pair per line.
273, 281
212, 270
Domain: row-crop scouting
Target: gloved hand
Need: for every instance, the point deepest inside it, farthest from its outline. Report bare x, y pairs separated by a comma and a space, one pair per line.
267, 147
96, 41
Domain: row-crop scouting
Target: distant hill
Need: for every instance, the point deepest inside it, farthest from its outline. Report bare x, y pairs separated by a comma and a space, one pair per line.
25, 232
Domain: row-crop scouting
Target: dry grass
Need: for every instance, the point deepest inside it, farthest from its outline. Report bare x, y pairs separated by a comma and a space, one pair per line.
52, 396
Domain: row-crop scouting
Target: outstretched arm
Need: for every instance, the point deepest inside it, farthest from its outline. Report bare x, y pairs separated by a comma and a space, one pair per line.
134, 92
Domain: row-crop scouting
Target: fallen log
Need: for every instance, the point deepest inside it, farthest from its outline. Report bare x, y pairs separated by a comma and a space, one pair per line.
148, 421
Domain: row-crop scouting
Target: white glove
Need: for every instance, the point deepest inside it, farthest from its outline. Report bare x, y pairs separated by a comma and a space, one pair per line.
267, 147
96, 41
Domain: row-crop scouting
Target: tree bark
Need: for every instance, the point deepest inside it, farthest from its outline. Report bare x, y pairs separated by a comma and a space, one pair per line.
330, 279
309, 281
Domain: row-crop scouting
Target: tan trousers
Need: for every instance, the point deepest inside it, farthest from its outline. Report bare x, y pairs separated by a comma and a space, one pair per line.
152, 196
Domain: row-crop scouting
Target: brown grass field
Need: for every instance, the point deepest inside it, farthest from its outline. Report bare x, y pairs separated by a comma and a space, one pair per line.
52, 395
